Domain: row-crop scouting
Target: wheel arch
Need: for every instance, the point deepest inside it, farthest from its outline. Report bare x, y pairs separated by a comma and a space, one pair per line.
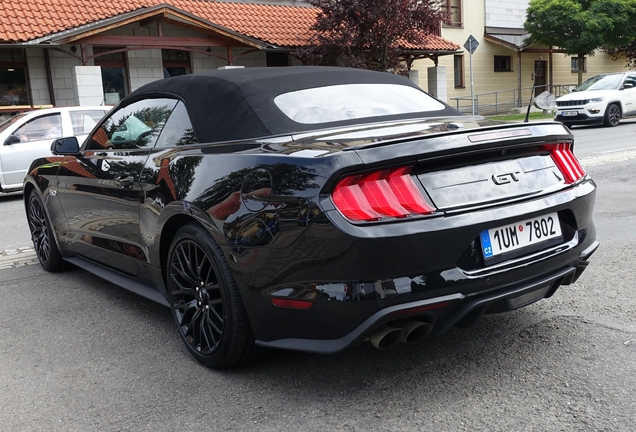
170, 228
168, 233
617, 102
607, 119
26, 192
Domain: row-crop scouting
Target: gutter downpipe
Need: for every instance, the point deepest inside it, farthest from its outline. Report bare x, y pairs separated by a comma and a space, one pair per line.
49, 79
520, 99
551, 71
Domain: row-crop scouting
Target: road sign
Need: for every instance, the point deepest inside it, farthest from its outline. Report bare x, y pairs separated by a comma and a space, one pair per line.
471, 44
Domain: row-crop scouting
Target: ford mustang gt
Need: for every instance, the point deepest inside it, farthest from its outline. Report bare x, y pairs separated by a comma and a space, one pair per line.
313, 209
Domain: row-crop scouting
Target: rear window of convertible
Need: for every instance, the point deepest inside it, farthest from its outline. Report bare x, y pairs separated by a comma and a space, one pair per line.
353, 101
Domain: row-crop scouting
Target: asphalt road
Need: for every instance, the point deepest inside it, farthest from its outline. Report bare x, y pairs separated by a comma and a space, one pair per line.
78, 353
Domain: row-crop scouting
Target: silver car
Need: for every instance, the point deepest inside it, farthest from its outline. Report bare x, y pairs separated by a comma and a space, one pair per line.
29, 136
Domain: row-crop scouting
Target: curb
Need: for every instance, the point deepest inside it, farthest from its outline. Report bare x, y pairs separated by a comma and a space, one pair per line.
12, 258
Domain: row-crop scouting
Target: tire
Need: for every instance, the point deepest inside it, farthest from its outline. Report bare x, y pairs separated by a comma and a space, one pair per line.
205, 301
44, 242
612, 115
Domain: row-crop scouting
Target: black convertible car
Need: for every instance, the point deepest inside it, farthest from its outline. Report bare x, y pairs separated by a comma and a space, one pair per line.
313, 209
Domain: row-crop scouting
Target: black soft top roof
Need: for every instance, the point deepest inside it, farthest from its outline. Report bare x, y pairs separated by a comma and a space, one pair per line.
237, 104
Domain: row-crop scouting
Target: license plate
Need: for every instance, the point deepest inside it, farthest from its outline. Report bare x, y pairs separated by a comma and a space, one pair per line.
519, 235
570, 113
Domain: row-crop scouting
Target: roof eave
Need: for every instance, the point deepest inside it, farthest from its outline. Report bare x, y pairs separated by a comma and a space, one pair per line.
71, 35
431, 52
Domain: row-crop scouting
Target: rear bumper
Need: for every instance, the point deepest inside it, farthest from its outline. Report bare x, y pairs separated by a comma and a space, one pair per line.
444, 312
359, 278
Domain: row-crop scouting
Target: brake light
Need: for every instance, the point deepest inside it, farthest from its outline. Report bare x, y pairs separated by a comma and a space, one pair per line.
380, 194
567, 163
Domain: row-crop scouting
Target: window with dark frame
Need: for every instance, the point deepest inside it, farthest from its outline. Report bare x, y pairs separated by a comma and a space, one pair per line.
503, 63
13, 79
175, 62
454, 8
458, 70
114, 77
132, 127
574, 64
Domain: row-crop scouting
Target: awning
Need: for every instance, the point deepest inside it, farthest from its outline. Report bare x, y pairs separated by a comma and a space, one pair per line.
511, 38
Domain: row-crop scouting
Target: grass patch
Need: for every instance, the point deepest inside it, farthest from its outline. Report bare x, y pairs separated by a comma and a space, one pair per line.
521, 117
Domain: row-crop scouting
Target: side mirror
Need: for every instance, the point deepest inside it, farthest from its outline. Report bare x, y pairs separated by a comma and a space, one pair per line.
628, 85
12, 139
65, 146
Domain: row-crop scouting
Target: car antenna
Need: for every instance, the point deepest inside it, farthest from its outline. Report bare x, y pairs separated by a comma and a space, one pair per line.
534, 86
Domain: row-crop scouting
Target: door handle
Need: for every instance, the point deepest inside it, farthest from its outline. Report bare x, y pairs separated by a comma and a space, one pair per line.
124, 180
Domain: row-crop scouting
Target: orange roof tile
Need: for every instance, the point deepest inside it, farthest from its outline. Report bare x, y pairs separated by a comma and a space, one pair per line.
285, 26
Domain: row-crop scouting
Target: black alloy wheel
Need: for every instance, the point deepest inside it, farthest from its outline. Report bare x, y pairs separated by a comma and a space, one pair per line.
612, 115
205, 301
42, 237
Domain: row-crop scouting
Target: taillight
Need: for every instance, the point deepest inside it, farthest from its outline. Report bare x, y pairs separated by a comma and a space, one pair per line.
380, 194
566, 162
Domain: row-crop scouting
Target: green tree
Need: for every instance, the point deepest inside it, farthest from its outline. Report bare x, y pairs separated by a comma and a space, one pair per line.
580, 27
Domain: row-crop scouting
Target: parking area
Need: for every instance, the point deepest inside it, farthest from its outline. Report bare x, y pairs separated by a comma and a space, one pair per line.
78, 353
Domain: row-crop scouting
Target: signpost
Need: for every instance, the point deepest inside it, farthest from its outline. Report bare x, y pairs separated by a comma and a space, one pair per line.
471, 45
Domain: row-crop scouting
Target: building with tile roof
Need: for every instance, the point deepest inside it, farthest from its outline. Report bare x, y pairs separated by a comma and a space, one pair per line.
70, 52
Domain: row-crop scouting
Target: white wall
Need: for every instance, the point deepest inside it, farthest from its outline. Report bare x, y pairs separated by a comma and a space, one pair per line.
504, 13
89, 90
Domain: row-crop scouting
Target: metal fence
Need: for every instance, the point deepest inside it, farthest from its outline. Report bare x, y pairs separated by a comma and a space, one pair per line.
504, 100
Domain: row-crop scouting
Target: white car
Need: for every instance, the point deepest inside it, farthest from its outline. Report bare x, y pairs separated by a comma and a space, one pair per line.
602, 99
29, 136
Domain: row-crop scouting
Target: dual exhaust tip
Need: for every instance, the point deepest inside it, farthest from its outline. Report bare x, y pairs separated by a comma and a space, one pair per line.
406, 331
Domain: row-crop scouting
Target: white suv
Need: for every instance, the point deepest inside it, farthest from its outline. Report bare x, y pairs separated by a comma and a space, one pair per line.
602, 99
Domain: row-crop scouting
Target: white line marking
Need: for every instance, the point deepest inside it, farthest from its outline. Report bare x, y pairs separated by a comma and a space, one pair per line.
606, 158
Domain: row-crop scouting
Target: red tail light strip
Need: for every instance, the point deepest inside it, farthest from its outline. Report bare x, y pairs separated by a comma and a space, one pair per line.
407, 193
291, 304
380, 194
566, 162
350, 200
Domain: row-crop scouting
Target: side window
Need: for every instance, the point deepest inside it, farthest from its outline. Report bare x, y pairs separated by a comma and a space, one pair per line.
84, 121
630, 81
454, 7
41, 128
458, 69
135, 126
178, 129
